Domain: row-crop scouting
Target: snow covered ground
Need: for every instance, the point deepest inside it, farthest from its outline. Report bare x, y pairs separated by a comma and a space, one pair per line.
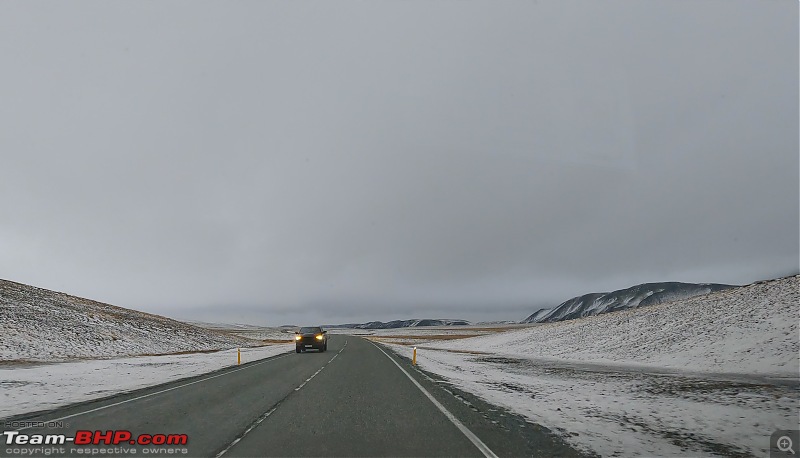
717, 374
33, 387
747, 330
621, 411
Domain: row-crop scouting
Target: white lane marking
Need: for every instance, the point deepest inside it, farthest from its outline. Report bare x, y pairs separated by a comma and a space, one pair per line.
250, 428
320, 369
159, 392
487, 452
264, 417
309, 379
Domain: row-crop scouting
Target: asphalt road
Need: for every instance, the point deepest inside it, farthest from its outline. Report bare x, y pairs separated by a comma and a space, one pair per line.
353, 400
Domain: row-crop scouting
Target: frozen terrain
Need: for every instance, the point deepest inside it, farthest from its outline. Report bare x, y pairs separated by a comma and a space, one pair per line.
749, 330
715, 374
41, 325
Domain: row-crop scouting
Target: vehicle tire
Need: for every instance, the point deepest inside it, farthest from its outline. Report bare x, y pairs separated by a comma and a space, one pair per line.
297, 349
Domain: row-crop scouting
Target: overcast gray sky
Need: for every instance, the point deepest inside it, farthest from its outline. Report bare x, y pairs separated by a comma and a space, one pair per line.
323, 162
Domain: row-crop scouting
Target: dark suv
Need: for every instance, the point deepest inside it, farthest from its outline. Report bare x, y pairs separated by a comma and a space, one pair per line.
313, 337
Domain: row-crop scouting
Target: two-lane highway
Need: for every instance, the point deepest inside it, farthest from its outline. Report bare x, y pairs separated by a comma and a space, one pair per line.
353, 400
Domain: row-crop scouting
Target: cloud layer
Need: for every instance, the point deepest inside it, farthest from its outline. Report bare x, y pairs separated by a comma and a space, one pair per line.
278, 163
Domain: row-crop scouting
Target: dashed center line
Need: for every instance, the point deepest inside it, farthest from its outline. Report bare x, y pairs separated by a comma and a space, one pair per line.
263, 417
320, 369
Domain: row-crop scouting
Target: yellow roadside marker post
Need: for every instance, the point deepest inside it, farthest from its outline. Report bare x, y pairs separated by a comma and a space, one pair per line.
414, 359
238, 356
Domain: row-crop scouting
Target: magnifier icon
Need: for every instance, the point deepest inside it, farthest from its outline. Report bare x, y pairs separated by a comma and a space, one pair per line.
785, 444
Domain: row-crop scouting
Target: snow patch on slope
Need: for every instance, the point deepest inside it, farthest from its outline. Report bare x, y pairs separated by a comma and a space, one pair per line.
636, 296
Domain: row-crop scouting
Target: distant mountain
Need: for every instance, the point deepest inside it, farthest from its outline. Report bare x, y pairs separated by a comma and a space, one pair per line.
489, 323
635, 296
400, 324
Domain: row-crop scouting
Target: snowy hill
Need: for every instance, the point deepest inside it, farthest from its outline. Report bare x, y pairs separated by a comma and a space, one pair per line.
751, 329
635, 296
42, 325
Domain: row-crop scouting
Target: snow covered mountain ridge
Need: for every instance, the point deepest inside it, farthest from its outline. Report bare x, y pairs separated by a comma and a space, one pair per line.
623, 299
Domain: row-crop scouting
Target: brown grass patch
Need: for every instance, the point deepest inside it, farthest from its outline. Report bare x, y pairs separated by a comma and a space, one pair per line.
426, 337
466, 352
184, 352
23, 363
